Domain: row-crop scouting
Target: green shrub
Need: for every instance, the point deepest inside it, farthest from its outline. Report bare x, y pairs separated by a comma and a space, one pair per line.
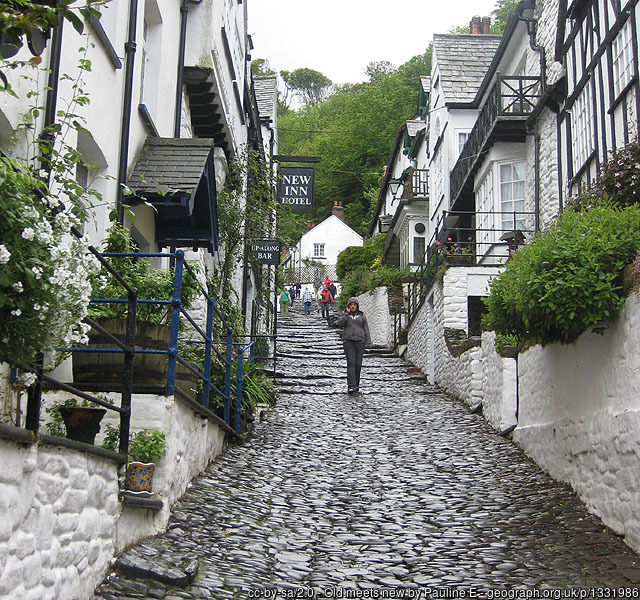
358, 258
568, 279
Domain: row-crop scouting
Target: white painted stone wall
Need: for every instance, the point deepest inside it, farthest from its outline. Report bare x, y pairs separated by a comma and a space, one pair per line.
59, 509
375, 305
61, 518
580, 418
479, 375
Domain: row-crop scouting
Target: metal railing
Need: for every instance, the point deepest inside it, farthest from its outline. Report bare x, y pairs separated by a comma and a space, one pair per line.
467, 238
180, 315
126, 347
510, 99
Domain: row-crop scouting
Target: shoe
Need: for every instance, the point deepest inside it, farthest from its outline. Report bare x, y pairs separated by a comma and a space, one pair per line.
350, 391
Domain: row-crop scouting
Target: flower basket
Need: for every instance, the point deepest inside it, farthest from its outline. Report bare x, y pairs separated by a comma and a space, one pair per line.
140, 477
459, 259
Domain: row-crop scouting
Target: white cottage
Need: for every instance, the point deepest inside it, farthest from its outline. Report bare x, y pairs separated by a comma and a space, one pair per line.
316, 253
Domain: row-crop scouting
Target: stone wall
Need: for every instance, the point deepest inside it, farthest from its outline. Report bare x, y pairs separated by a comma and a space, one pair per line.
375, 305
59, 509
579, 404
62, 519
580, 418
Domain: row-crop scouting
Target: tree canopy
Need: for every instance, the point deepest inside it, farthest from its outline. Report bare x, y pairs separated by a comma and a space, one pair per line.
353, 132
311, 86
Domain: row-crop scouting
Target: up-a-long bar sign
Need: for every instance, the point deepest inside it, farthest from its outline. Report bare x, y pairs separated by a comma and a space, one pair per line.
295, 188
267, 252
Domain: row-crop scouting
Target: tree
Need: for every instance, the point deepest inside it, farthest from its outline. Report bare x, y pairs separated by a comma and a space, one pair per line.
311, 86
501, 14
379, 68
261, 67
353, 131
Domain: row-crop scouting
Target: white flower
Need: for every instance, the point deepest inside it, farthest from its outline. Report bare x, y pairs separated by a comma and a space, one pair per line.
5, 255
37, 272
18, 287
28, 379
28, 233
16, 313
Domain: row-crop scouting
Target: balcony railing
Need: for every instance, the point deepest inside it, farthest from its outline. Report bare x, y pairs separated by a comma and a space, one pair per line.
416, 184
502, 117
468, 238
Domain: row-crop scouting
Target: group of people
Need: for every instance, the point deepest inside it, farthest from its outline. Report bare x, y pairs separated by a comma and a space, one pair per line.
355, 334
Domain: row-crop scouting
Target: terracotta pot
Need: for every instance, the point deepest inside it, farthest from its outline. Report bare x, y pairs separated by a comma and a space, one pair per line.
82, 422
139, 476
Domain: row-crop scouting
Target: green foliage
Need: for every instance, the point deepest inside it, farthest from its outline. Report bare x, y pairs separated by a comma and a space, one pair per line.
261, 67
147, 445
152, 284
618, 180
501, 15
311, 86
567, 280
352, 131
363, 257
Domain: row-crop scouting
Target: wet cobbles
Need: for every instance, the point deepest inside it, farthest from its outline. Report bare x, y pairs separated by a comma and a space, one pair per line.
398, 491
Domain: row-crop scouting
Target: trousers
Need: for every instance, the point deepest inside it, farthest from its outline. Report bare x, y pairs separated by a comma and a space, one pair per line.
307, 308
325, 309
285, 308
354, 351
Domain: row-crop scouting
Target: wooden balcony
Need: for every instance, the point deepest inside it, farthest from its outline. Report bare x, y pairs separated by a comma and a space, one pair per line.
502, 119
416, 185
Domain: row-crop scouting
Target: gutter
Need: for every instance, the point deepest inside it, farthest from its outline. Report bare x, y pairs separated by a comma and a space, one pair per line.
130, 54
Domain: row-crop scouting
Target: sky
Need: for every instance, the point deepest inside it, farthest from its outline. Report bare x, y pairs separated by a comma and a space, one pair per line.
340, 37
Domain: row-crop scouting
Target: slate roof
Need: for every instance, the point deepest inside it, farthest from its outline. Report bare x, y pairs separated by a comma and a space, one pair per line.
425, 82
170, 165
463, 61
414, 126
266, 95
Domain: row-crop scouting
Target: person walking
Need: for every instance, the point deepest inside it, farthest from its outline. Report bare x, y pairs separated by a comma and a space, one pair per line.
334, 291
355, 336
285, 298
325, 300
307, 299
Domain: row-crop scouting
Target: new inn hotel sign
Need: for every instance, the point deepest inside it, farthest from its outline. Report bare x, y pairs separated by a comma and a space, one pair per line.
295, 188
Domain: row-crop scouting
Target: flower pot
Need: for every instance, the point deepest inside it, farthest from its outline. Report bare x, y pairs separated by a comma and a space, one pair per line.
459, 259
82, 422
402, 337
107, 369
139, 477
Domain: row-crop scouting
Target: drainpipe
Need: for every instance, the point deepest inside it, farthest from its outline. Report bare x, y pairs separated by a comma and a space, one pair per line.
130, 54
532, 25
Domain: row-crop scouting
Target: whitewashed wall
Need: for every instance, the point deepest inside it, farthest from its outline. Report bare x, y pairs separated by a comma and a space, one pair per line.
61, 518
59, 509
580, 418
375, 305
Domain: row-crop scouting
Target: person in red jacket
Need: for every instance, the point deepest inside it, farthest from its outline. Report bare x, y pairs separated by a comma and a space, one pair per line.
325, 300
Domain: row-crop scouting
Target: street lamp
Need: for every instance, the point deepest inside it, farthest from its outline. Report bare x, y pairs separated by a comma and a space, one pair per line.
394, 186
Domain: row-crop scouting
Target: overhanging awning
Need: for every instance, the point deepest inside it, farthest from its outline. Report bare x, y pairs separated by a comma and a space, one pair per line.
176, 176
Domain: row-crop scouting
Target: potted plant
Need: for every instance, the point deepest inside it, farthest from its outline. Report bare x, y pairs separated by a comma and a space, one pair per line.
145, 447
81, 420
152, 331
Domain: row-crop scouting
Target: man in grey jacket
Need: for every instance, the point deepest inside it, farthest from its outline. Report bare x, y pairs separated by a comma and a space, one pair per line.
355, 336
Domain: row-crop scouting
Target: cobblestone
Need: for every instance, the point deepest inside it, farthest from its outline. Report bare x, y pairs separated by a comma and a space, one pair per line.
399, 488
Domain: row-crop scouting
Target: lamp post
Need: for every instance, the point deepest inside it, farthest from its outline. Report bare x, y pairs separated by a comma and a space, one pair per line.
394, 186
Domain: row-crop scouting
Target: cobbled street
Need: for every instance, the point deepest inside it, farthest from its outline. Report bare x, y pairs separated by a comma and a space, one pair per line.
397, 489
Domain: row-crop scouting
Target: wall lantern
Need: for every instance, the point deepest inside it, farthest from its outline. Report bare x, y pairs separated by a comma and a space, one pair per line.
394, 186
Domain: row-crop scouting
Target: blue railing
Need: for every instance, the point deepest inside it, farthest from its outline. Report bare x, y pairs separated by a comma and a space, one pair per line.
204, 336
240, 377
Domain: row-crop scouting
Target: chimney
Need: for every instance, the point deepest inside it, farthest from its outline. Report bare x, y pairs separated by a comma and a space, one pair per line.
309, 225
338, 210
476, 26
486, 25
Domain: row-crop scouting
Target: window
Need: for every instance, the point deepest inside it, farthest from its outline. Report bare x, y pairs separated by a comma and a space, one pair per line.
318, 251
582, 128
462, 140
418, 249
151, 56
485, 227
512, 195
622, 58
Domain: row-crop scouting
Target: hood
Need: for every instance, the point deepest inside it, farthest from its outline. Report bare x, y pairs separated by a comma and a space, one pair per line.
353, 299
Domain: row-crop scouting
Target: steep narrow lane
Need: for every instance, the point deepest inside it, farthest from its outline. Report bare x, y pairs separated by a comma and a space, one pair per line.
399, 487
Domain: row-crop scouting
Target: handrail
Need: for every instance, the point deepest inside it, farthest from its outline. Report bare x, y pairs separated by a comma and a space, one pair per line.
460, 245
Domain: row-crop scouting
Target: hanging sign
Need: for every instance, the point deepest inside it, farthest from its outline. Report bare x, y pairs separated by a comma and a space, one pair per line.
266, 253
295, 188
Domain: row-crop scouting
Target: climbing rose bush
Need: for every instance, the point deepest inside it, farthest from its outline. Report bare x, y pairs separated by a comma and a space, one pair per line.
44, 270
